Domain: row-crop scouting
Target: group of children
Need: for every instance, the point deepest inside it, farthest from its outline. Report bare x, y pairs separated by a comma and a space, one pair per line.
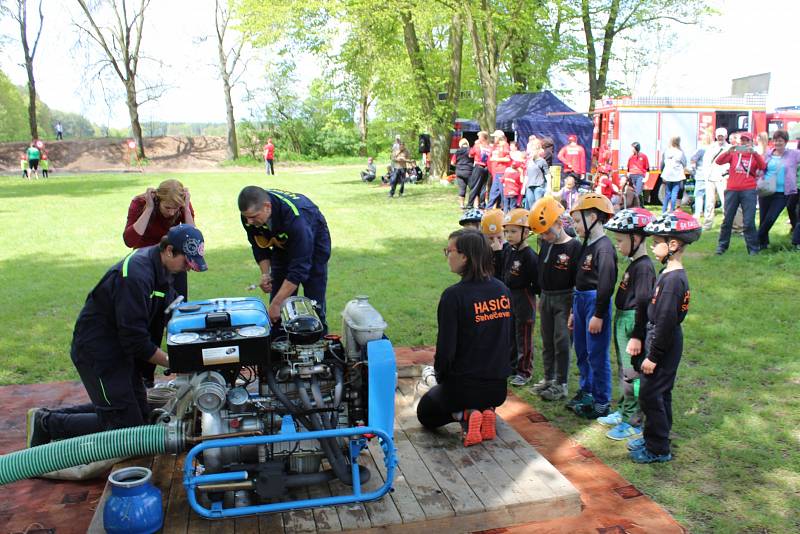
32, 159
575, 281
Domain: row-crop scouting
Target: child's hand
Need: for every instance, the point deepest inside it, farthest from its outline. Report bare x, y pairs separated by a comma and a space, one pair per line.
595, 325
570, 322
634, 347
648, 367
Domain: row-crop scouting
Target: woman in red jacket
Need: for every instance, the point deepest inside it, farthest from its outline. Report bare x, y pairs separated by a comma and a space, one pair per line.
150, 216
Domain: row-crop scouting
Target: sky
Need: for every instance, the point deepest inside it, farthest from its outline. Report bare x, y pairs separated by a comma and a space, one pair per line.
180, 33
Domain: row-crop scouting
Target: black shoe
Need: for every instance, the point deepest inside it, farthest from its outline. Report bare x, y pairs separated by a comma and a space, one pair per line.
35, 432
591, 411
581, 397
719, 252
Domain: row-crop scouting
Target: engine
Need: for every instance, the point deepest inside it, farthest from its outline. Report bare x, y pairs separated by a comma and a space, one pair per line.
263, 411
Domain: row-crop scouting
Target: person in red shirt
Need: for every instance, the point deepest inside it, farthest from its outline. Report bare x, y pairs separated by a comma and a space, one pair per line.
480, 153
512, 186
269, 157
150, 217
745, 163
498, 161
638, 167
573, 157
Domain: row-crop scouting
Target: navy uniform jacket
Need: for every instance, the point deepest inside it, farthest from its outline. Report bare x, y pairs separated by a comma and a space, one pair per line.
124, 308
295, 232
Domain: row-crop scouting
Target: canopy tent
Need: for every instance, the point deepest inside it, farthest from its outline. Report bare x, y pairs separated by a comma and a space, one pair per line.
525, 114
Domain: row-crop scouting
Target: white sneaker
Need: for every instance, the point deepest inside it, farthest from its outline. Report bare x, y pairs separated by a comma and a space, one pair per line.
541, 385
519, 380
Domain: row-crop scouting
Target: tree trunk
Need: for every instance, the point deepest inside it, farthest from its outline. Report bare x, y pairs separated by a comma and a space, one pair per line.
362, 123
32, 102
133, 111
233, 145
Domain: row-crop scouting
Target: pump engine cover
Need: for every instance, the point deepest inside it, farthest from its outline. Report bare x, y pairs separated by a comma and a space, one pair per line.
220, 332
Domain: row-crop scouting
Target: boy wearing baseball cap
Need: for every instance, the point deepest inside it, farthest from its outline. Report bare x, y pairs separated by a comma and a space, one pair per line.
121, 322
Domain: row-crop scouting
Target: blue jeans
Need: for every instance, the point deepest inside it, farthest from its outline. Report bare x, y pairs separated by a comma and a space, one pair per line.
593, 351
496, 192
270, 166
509, 203
671, 193
699, 198
638, 182
747, 200
532, 194
770, 208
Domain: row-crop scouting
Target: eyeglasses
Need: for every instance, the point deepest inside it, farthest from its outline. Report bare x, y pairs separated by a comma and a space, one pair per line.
447, 252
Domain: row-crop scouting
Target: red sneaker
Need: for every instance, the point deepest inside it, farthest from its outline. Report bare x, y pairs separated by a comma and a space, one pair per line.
488, 429
471, 427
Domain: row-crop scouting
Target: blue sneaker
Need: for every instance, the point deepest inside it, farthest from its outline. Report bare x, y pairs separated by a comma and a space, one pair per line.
644, 456
635, 444
623, 431
612, 419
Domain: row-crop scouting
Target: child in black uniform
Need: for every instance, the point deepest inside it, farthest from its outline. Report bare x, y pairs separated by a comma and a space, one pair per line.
558, 257
664, 342
591, 306
472, 343
516, 264
630, 317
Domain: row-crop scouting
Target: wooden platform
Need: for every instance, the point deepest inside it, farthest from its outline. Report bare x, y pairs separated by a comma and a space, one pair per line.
439, 485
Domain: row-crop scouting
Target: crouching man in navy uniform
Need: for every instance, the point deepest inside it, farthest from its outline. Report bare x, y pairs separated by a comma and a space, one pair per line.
291, 245
113, 330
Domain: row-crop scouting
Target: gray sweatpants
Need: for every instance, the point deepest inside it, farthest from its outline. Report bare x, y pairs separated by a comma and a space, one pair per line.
554, 308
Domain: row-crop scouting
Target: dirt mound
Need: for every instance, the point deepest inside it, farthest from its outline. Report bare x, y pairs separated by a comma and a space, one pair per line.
110, 154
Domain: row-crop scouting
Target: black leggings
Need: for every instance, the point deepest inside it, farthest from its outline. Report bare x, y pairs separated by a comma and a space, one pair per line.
436, 407
477, 185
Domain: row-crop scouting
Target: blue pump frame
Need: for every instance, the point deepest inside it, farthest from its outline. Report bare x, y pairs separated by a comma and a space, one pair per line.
382, 376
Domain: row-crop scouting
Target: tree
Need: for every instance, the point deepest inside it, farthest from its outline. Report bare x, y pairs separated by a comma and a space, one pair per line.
20, 15
228, 61
121, 45
624, 16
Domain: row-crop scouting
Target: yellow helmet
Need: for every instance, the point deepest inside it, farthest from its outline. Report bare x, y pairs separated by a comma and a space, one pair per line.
516, 217
492, 221
597, 201
544, 213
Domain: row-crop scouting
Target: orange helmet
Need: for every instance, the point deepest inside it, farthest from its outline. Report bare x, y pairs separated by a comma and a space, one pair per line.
597, 201
544, 213
516, 217
492, 222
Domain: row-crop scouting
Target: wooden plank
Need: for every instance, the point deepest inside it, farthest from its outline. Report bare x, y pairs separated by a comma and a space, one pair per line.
270, 523
429, 495
163, 465
176, 519
458, 491
326, 518
246, 525
351, 516
382, 512
298, 520
404, 499
549, 475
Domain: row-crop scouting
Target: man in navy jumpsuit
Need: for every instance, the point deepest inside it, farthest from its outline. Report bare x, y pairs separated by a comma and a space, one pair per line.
291, 245
114, 329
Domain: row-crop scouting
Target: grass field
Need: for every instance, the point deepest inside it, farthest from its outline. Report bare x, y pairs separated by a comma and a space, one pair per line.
736, 403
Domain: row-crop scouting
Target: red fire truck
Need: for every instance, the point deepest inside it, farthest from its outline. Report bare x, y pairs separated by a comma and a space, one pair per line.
785, 118
653, 121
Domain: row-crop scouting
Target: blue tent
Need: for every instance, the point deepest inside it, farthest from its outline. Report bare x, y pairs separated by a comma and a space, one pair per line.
525, 114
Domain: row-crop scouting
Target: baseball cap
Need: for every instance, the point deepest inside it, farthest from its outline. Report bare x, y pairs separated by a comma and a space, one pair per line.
572, 137
721, 131
745, 135
498, 133
189, 241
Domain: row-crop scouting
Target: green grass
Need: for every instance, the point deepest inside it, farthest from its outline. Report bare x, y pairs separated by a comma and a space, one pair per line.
736, 402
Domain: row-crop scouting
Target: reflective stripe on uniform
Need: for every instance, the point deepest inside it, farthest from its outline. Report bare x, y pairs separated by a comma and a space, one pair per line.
157, 294
287, 201
103, 389
125, 264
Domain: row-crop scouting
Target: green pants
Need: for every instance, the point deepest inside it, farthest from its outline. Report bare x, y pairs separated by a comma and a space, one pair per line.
628, 377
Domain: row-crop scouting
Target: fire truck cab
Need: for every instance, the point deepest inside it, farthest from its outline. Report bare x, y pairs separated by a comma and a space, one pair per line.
653, 121
785, 118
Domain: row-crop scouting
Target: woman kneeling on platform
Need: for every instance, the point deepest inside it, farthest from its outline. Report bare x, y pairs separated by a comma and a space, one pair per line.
472, 345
